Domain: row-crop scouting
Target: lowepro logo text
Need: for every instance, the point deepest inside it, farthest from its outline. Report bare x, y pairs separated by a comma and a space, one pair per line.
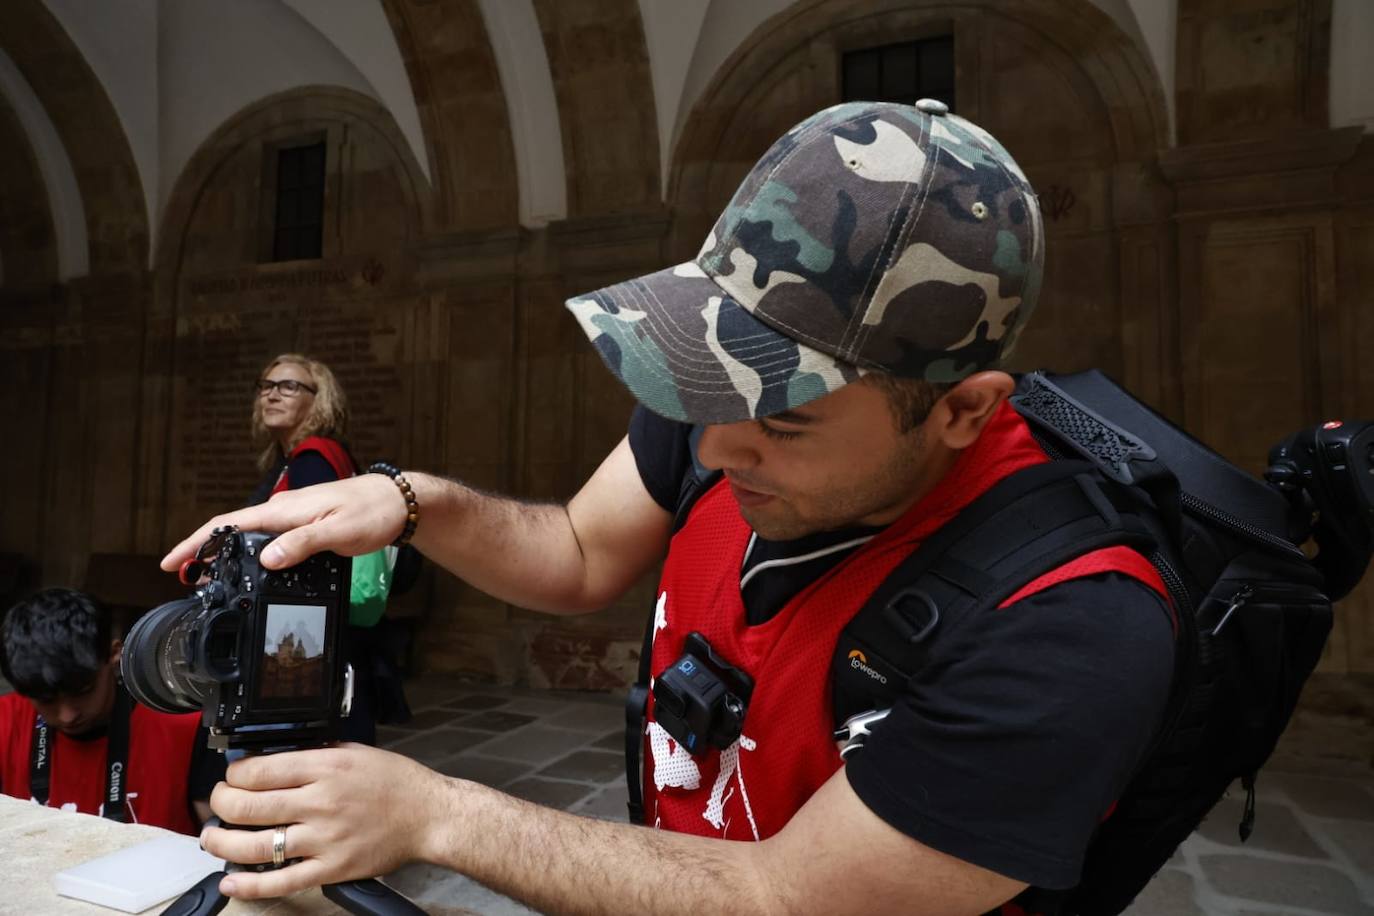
859, 662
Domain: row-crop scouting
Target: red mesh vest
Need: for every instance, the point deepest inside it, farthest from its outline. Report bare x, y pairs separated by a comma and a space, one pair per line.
332, 451
752, 789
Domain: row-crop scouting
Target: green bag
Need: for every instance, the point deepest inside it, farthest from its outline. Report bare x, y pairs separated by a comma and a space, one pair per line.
370, 587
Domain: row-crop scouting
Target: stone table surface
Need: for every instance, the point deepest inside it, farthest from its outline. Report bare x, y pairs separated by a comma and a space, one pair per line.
37, 843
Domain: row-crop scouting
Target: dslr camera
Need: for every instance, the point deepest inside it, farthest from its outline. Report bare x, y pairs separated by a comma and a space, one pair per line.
257, 651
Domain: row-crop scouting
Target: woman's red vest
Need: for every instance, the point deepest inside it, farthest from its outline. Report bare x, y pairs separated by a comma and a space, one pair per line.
333, 452
752, 789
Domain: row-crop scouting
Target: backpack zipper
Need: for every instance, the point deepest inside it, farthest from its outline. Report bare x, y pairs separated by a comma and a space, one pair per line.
1199, 507
1238, 599
1178, 591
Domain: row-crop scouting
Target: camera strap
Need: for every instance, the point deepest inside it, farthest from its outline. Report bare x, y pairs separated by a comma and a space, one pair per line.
116, 759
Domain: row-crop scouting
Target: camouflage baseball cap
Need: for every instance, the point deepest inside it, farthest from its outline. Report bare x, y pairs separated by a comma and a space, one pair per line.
872, 236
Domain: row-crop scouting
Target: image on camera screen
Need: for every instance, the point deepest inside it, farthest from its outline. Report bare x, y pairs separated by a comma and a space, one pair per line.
293, 652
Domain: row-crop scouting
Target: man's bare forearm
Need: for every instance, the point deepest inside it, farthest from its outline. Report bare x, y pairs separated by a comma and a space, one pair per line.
524, 553
561, 863
567, 559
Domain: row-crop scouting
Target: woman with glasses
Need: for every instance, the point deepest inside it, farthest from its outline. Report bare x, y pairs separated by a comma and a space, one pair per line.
300, 417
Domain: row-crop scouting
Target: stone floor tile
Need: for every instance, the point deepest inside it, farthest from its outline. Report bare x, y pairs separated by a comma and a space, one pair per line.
434, 690
430, 718
615, 699
387, 734
415, 879
1292, 884
588, 717
1170, 893
540, 707
476, 702
489, 771
497, 720
608, 804
439, 744
537, 743
1276, 829
458, 890
435, 887
1326, 796
587, 766
549, 792
614, 741
1355, 839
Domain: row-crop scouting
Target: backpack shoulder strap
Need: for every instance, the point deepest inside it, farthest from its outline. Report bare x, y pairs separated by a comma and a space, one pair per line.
695, 484
1029, 524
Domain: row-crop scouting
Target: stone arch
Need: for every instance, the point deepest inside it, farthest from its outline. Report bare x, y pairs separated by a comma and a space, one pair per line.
85, 119
292, 113
458, 93
600, 66
28, 239
1082, 37
1085, 117
222, 305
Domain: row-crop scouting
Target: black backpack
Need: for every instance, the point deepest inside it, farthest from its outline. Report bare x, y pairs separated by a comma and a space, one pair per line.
1251, 612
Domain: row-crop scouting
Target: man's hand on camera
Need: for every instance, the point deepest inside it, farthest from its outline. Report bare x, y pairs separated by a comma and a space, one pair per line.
350, 517
350, 812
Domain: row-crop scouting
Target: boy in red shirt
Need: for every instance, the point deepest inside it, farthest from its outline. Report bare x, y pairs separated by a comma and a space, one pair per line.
72, 738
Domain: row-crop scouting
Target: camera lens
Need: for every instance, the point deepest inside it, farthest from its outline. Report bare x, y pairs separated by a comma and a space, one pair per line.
155, 663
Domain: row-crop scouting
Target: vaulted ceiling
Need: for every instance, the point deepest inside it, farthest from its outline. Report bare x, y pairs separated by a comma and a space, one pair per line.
169, 72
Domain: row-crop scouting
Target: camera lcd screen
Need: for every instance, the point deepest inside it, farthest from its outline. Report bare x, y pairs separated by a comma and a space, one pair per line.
293, 663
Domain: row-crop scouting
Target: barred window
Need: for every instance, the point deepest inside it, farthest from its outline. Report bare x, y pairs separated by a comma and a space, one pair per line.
902, 72
298, 228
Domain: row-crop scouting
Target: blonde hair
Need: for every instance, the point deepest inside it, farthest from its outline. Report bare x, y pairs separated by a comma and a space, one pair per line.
328, 415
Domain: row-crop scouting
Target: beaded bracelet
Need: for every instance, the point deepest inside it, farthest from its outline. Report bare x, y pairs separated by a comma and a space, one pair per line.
408, 494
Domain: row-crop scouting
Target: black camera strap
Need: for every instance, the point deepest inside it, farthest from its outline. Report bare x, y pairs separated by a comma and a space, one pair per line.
116, 759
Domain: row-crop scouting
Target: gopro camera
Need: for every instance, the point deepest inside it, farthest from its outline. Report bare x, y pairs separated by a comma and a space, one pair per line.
701, 699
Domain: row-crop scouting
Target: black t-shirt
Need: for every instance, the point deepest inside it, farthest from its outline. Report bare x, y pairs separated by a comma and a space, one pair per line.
1012, 743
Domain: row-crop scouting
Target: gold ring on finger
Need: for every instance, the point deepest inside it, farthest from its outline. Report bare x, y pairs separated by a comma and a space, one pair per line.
279, 847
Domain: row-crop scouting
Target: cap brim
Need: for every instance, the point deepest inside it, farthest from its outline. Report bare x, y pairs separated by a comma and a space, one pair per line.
689, 352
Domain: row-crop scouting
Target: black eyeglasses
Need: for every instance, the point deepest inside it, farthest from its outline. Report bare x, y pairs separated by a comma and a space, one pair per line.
288, 387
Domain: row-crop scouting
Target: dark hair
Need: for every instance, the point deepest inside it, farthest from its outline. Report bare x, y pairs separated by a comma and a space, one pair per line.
54, 642
910, 399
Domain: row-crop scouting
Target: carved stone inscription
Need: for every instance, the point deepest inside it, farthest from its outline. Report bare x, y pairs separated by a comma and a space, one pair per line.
229, 325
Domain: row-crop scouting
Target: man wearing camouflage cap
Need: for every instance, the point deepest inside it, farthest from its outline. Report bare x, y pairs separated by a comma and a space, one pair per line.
819, 395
